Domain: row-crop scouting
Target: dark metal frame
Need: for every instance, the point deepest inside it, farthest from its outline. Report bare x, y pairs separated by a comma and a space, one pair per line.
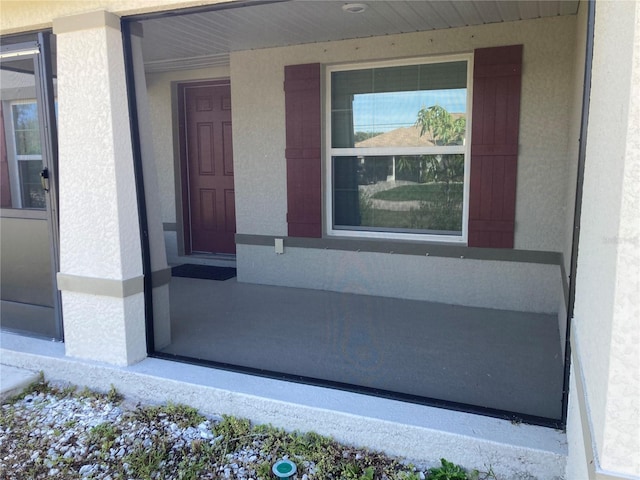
45, 98
139, 180
512, 416
582, 154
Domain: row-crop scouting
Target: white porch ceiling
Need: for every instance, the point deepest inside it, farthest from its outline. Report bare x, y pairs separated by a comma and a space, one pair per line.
205, 38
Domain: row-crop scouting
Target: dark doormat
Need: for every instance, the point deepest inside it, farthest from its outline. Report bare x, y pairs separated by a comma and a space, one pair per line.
204, 272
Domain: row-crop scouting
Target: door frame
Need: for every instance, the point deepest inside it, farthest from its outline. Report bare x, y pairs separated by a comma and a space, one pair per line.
183, 214
41, 52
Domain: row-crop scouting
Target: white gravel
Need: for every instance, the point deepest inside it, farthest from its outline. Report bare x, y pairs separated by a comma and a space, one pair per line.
59, 434
52, 437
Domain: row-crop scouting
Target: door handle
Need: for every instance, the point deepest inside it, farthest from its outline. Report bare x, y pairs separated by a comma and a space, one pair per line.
44, 179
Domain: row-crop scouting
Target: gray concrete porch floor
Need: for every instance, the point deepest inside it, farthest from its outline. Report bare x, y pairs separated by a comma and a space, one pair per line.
31, 319
488, 358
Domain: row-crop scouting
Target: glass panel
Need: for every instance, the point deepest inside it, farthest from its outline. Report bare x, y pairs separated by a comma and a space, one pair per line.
31, 186
399, 106
21, 143
25, 129
28, 297
411, 194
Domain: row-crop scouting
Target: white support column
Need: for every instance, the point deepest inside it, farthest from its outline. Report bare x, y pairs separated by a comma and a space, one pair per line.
100, 254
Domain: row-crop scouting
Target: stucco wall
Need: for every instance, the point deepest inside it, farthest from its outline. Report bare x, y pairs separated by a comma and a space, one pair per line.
547, 85
608, 290
577, 461
547, 93
513, 286
163, 124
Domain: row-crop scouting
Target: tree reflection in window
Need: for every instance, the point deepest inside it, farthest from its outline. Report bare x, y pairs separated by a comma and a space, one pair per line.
28, 151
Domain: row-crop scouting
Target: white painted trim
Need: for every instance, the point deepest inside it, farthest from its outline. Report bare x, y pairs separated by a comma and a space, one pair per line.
329, 152
19, 53
596, 472
397, 151
398, 62
414, 237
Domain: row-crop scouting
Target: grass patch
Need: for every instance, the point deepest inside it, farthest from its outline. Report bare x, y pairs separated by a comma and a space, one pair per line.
145, 443
329, 458
144, 462
376, 217
182, 415
422, 192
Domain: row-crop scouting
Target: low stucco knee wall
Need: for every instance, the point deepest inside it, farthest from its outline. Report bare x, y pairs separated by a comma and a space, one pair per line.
504, 285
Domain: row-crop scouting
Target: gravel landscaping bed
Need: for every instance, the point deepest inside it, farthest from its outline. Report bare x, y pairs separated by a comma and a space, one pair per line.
62, 433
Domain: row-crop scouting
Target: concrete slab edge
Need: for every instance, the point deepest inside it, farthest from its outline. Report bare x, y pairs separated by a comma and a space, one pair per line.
151, 381
14, 380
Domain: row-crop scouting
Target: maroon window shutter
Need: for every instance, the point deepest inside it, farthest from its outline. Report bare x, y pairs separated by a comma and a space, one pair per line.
494, 146
302, 110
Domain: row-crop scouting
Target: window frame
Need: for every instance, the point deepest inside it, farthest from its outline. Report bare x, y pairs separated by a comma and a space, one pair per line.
17, 184
12, 104
331, 152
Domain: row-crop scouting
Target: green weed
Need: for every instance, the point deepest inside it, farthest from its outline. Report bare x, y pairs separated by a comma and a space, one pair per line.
182, 415
146, 462
263, 472
113, 396
447, 471
352, 471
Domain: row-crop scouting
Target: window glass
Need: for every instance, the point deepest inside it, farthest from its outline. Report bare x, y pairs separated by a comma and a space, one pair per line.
25, 128
398, 138
376, 101
20, 137
28, 153
406, 193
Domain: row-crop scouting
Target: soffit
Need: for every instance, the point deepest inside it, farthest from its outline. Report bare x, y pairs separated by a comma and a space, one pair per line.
205, 38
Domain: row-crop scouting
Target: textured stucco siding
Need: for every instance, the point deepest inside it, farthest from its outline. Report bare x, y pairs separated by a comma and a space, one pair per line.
547, 85
577, 460
543, 169
97, 327
608, 290
95, 241
99, 229
525, 287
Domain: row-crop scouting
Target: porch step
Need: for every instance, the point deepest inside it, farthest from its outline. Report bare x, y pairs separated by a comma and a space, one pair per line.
14, 380
421, 435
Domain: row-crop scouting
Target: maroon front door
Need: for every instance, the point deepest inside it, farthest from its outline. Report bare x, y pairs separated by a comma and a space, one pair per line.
210, 221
